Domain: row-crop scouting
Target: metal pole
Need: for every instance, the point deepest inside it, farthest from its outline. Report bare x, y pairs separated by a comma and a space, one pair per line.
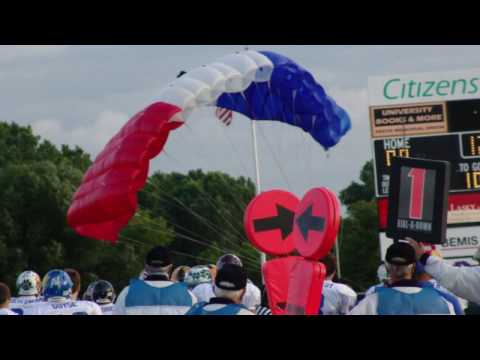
337, 252
263, 257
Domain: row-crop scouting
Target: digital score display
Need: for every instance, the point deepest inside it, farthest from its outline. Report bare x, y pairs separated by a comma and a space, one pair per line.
418, 203
461, 150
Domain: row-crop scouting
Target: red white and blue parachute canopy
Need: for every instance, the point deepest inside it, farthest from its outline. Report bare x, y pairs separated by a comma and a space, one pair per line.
259, 85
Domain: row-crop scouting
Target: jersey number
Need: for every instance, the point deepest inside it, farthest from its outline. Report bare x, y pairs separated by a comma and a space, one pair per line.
417, 193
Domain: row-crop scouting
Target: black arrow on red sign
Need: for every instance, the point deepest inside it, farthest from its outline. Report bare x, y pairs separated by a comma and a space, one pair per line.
307, 222
282, 221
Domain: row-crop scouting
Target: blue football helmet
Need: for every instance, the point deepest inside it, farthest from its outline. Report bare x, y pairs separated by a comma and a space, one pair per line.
57, 283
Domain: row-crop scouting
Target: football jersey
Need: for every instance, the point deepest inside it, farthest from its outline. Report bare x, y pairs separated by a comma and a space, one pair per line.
19, 304
64, 307
7, 312
338, 299
107, 309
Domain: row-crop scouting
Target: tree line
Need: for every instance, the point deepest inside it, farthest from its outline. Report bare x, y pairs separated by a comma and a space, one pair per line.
198, 215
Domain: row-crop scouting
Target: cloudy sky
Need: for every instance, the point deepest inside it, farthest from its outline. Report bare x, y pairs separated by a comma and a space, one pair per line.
82, 95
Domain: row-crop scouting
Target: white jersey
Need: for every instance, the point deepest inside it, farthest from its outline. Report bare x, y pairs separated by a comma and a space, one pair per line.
251, 299
464, 282
64, 307
107, 309
7, 312
338, 299
19, 304
373, 288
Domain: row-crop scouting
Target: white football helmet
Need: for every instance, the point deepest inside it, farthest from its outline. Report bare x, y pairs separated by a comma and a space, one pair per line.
29, 284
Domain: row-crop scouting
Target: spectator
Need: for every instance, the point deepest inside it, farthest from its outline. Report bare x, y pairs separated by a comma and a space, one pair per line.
383, 278
230, 287
77, 282
180, 273
103, 294
462, 281
425, 280
198, 275
156, 294
5, 297
337, 299
404, 295
253, 297
213, 270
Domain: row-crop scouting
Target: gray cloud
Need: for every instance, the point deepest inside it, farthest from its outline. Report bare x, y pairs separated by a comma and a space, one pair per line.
81, 95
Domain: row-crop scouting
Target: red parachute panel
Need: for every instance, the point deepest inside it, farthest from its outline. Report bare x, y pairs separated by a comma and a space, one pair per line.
107, 198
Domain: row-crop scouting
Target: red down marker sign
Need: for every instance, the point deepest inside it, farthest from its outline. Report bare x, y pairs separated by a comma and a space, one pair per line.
269, 222
316, 223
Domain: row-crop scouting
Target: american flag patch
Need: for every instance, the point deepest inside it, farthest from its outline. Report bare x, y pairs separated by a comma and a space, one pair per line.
225, 116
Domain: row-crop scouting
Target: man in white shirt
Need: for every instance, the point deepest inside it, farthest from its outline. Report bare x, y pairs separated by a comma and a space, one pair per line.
253, 296
155, 294
463, 281
230, 287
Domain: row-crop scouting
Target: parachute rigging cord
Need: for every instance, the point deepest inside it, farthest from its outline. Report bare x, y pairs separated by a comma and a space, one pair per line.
263, 86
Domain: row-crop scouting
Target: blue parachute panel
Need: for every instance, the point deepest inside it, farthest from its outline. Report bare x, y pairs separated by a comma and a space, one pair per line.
294, 97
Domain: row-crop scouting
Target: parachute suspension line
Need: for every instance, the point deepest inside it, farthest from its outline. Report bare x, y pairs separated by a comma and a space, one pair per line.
169, 156
133, 242
241, 206
224, 132
209, 224
253, 117
205, 221
130, 241
235, 150
194, 240
209, 199
234, 246
277, 162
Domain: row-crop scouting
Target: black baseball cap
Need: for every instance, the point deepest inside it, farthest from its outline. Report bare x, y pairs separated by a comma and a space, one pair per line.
158, 257
231, 277
401, 253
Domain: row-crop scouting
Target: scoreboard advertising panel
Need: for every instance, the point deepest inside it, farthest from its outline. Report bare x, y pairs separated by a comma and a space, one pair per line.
431, 116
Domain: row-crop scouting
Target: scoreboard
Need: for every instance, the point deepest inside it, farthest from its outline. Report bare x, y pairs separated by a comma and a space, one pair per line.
462, 150
431, 116
444, 131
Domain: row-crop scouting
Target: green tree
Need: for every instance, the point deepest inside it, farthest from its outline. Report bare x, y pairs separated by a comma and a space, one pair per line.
206, 212
198, 215
359, 246
37, 182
